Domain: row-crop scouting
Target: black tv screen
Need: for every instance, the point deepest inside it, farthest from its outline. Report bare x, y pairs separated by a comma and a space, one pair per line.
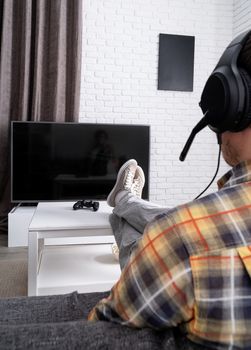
68, 161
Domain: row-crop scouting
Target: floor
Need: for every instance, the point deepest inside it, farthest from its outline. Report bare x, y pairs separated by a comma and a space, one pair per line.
13, 269
11, 253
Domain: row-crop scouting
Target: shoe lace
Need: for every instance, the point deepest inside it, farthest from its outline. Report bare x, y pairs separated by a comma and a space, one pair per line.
136, 187
129, 179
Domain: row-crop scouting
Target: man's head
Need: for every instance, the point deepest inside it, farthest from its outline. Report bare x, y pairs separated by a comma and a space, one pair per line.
236, 146
226, 97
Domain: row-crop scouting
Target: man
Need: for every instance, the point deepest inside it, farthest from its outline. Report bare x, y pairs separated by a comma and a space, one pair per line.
191, 265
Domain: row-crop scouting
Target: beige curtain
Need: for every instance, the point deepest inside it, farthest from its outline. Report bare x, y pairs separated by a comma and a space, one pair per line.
40, 56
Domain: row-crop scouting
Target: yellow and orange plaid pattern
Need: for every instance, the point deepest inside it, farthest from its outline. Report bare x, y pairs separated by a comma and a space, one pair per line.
192, 269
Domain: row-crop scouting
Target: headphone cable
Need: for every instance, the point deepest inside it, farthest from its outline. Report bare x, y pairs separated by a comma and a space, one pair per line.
217, 169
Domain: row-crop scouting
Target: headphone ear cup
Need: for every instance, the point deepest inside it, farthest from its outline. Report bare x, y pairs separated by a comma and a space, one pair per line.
246, 115
215, 100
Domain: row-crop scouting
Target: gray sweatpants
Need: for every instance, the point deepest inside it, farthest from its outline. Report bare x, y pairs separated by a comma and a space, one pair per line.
129, 219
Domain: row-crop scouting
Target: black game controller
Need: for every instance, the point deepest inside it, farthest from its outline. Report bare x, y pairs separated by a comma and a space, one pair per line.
86, 204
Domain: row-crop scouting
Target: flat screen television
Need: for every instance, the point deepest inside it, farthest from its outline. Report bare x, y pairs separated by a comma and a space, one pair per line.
69, 161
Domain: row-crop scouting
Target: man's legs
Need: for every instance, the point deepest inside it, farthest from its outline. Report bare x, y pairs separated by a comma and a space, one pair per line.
136, 211
129, 219
131, 214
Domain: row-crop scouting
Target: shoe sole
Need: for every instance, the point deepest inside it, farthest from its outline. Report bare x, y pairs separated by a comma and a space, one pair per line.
111, 197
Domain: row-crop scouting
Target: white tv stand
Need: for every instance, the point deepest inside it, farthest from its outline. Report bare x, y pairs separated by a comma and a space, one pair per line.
19, 219
60, 269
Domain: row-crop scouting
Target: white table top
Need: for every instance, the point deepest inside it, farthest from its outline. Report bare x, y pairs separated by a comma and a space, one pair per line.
61, 216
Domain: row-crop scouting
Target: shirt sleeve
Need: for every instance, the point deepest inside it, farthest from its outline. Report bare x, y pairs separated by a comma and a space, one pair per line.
155, 287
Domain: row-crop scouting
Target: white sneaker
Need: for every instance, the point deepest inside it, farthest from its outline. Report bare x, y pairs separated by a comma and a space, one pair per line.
124, 180
138, 182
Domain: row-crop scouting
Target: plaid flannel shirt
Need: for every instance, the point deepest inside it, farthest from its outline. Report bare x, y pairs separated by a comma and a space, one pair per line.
192, 269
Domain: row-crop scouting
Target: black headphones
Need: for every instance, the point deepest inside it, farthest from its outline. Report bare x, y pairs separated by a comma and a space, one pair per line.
226, 97
227, 93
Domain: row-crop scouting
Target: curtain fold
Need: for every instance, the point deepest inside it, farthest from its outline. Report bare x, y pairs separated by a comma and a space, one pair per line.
40, 58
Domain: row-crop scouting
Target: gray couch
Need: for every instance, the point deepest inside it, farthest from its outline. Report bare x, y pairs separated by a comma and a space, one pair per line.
59, 322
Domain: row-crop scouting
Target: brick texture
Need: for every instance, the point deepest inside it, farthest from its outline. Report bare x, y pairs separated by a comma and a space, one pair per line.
119, 81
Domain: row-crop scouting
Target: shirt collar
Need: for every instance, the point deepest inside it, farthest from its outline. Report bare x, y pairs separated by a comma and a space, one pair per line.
238, 174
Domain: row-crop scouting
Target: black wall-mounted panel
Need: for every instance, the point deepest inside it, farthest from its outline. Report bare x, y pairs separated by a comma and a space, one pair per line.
176, 62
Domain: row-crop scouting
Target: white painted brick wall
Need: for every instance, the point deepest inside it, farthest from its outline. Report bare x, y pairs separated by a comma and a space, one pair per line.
119, 82
242, 16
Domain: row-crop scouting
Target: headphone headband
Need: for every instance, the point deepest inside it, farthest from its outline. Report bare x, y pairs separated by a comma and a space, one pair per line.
241, 38
231, 53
